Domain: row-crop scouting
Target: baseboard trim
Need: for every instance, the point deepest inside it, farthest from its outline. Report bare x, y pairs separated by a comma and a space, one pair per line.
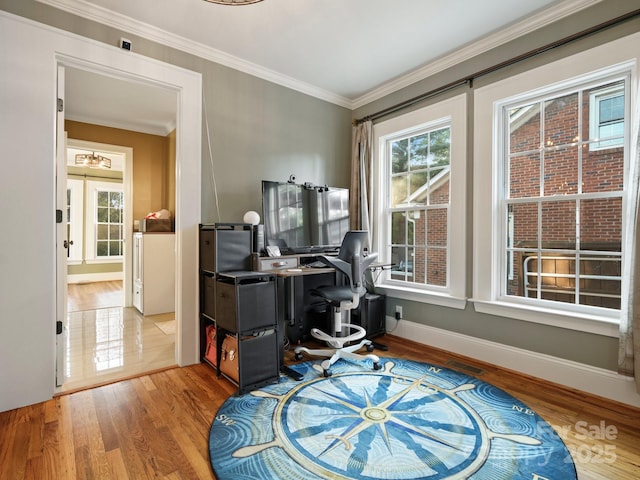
94, 277
594, 380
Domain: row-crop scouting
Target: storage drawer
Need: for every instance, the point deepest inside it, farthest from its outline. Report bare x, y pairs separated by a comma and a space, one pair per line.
246, 303
278, 263
209, 295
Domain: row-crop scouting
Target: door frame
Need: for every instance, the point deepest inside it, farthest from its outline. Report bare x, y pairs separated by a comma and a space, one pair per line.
188, 86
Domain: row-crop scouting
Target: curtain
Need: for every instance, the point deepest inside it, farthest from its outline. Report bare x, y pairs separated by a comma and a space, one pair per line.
360, 200
629, 347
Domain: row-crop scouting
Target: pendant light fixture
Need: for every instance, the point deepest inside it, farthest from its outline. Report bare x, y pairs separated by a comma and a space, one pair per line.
92, 160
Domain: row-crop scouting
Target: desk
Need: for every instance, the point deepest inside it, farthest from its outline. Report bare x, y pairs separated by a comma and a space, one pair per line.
299, 311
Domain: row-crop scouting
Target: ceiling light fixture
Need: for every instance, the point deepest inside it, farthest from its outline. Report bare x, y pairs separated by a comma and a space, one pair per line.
233, 2
92, 160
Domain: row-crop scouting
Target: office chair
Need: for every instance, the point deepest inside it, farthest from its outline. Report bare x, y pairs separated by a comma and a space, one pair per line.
352, 261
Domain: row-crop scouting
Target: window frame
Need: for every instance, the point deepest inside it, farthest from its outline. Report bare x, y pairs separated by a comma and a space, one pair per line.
451, 112
606, 60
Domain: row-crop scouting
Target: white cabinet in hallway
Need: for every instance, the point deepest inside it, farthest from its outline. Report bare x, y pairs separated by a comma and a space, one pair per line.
154, 272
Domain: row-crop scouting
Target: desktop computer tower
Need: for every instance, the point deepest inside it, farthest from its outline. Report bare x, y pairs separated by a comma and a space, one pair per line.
371, 314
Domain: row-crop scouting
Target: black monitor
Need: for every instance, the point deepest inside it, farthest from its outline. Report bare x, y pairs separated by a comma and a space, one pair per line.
304, 218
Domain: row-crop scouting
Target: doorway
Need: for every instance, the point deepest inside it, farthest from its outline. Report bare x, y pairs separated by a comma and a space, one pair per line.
127, 314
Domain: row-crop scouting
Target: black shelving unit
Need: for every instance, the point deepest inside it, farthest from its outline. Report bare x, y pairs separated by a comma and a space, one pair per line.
238, 302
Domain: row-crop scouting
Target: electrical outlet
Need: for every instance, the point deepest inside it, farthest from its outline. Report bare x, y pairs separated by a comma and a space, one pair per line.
398, 312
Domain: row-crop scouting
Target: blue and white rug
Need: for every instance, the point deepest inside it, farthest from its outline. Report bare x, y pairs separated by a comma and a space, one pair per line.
409, 420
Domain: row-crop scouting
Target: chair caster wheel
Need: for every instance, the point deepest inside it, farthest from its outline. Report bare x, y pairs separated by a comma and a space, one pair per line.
370, 347
377, 366
326, 373
298, 356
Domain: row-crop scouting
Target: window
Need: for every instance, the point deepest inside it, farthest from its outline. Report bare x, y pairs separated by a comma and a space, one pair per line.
562, 199
606, 117
549, 205
420, 202
419, 205
104, 222
109, 233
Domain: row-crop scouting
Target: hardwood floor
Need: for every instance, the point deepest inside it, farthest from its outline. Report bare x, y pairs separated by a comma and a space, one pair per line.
157, 425
94, 295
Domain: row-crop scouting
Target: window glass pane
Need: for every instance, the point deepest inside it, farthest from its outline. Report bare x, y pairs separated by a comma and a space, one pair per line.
102, 232
399, 190
601, 224
102, 214
102, 248
401, 268
436, 267
523, 225
400, 156
524, 175
561, 171
439, 185
114, 248
398, 228
524, 128
603, 170
561, 120
418, 184
103, 199
419, 150
559, 225
440, 147
437, 226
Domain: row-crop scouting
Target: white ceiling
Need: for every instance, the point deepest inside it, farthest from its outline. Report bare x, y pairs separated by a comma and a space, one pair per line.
348, 52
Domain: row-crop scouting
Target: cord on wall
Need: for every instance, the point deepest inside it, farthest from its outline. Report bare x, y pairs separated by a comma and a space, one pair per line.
213, 175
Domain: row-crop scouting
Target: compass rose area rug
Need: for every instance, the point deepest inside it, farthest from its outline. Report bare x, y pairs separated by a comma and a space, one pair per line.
408, 420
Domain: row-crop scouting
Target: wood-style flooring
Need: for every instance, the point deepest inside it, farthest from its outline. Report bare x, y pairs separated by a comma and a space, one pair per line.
105, 342
157, 425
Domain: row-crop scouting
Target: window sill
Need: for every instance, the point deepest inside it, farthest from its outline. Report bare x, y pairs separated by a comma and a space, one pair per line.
94, 261
600, 325
422, 296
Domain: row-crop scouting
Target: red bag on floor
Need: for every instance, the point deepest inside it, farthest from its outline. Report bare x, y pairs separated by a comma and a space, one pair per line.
210, 352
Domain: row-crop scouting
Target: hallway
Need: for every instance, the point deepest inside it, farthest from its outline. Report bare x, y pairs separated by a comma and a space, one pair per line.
106, 342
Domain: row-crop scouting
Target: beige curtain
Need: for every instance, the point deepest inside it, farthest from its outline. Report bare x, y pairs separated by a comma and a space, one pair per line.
629, 350
360, 200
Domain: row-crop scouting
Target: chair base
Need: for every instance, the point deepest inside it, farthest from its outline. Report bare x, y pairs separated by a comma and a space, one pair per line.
335, 354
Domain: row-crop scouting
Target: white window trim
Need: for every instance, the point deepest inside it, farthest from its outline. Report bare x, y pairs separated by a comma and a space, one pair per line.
594, 118
608, 58
76, 234
454, 112
92, 188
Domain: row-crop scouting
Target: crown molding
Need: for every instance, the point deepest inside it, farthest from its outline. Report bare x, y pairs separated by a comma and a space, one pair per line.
86, 10
505, 35
118, 21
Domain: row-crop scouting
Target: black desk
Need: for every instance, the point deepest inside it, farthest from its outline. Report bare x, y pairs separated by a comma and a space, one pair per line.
299, 311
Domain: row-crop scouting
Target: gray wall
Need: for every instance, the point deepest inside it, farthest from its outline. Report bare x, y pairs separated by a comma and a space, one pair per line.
258, 130
587, 348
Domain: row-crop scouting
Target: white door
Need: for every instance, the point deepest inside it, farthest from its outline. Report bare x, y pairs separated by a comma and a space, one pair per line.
62, 244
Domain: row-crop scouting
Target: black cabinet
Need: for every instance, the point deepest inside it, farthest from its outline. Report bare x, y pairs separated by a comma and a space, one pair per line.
240, 303
371, 314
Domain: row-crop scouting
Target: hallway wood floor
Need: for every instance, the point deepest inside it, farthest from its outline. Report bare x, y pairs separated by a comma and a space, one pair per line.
107, 342
157, 425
